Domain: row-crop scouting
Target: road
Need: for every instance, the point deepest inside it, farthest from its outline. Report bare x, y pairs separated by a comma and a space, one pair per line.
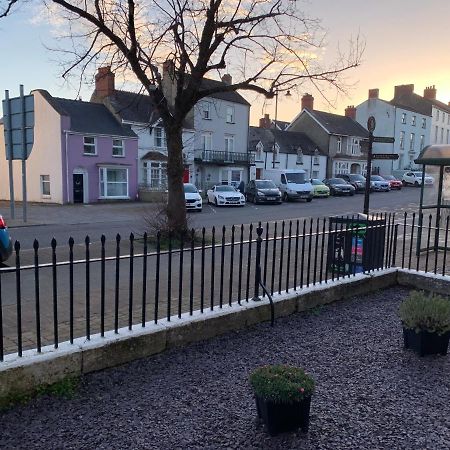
126, 218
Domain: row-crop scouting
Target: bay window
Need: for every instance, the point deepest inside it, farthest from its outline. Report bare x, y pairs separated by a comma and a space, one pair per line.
113, 182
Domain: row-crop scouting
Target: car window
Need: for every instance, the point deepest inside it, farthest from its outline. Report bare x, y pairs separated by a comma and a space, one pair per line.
225, 188
190, 189
264, 184
283, 179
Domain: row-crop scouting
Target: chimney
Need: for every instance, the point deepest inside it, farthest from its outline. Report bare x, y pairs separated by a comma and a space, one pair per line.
374, 93
227, 79
307, 102
265, 122
350, 111
403, 90
104, 82
430, 93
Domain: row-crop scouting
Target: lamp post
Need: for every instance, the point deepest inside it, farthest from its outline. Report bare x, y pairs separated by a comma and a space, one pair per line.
288, 94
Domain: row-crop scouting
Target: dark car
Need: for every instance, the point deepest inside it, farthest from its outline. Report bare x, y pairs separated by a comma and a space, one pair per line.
5, 241
355, 179
394, 183
338, 186
262, 191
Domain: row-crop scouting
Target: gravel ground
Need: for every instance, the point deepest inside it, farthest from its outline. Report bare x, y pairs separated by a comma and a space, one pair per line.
371, 394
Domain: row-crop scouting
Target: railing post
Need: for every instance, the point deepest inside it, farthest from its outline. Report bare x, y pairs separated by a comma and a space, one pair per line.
259, 232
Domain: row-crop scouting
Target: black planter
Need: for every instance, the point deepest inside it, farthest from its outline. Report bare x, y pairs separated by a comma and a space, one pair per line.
280, 417
426, 343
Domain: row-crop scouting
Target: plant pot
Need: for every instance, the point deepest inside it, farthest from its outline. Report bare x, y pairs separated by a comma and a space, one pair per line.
426, 343
281, 417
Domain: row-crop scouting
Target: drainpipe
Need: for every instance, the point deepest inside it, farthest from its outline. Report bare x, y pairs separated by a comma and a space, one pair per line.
67, 168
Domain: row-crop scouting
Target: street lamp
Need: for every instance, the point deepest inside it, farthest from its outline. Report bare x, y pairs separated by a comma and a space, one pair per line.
288, 94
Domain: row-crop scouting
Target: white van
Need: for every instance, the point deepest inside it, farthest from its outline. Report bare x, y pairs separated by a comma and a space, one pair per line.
292, 183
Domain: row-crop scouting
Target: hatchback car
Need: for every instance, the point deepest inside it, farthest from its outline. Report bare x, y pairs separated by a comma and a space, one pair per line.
320, 189
378, 183
355, 179
338, 186
394, 183
262, 191
192, 197
5, 241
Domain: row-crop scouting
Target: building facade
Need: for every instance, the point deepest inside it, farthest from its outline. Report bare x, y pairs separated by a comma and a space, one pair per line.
81, 154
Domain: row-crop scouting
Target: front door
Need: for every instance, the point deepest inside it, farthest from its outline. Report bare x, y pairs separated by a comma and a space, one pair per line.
78, 192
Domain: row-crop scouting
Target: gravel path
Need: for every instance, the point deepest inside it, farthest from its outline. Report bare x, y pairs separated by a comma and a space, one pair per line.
371, 394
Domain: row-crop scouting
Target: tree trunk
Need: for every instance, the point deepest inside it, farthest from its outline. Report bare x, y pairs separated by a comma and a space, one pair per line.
176, 208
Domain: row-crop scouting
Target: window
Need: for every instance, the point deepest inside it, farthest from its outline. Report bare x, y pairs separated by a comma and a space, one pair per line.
259, 151
422, 141
113, 183
230, 114
206, 141
437, 114
316, 161
436, 134
424, 122
402, 140
448, 135
442, 135
448, 119
412, 138
413, 121
155, 174
206, 110
89, 147
229, 143
160, 137
117, 149
45, 185
339, 145
403, 117
299, 157
283, 179
443, 117
355, 147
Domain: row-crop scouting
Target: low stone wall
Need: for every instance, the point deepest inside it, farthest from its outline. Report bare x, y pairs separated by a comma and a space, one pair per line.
152, 196
25, 374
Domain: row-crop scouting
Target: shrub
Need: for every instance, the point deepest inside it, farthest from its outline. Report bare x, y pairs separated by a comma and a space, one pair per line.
281, 384
426, 312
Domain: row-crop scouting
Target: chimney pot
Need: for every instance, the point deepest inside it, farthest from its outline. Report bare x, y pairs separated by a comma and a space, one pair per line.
430, 93
374, 93
104, 82
350, 111
307, 102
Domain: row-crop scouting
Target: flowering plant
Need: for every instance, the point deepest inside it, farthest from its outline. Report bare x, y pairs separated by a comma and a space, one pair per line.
281, 383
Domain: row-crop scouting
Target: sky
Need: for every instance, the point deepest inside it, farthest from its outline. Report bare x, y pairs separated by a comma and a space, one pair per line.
406, 42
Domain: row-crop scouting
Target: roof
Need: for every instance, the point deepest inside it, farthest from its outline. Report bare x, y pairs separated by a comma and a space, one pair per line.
281, 125
288, 141
340, 125
231, 96
434, 155
87, 117
416, 103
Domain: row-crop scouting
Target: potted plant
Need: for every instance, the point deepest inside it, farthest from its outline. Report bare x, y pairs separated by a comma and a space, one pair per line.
426, 323
283, 397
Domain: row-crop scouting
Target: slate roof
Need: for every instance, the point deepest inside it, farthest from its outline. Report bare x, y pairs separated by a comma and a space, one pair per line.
288, 141
231, 96
340, 125
416, 103
87, 117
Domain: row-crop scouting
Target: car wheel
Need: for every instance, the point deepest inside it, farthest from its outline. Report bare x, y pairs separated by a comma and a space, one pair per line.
416, 184
404, 183
255, 200
215, 202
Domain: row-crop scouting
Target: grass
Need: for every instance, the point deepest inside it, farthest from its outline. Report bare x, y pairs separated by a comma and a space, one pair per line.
65, 388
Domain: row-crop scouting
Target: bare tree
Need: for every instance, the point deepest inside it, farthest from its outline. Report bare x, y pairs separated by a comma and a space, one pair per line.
269, 45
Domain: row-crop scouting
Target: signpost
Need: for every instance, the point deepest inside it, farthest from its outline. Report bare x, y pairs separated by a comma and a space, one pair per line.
371, 125
19, 137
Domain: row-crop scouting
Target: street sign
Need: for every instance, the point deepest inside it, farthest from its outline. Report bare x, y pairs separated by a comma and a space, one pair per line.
371, 124
384, 156
383, 139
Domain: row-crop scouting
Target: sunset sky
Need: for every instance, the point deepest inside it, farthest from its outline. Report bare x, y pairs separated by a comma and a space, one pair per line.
406, 42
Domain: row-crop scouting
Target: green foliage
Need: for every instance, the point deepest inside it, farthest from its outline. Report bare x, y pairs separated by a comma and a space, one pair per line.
65, 388
428, 312
281, 384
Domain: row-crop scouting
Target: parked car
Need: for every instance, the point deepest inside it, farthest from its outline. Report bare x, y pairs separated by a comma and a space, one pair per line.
394, 183
355, 179
5, 241
292, 183
320, 189
378, 183
415, 179
192, 197
338, 186
262, 191
225, 195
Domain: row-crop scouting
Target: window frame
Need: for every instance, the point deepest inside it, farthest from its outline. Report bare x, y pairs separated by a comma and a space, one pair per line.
413, 121
206, 108
402, 140
424, 122
121, 147
203, 140
162, 137
412, 141
227, 116
339, 145
229, 138
404, 118
42, 182
90, 145
103, 180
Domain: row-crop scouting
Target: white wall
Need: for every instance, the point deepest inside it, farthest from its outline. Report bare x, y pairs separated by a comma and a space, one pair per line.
45, 158
443, 127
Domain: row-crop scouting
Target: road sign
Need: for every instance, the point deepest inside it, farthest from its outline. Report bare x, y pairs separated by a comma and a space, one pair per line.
384, 156
383, 139
371, 124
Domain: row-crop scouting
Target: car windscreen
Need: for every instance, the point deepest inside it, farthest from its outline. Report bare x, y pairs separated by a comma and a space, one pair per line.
357, 177
190, 189
316, 182
225, 189
419, 174
298, 178
390, 177
377, 178
265, 184
337, 181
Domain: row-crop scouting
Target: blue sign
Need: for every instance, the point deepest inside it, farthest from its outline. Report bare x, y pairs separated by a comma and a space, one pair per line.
18, 125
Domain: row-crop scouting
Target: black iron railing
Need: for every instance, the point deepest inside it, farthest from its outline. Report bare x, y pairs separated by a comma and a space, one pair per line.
75, 290
218, 156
